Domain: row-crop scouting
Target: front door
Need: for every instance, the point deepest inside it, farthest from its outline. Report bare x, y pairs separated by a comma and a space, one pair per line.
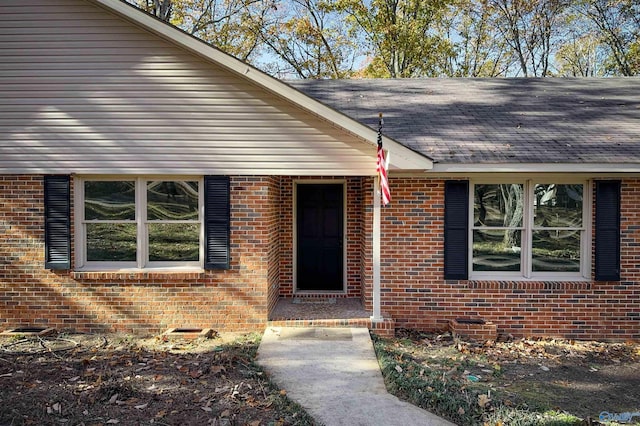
319, 257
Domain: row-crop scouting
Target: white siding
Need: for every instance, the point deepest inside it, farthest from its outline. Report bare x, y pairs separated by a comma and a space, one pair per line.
83, 91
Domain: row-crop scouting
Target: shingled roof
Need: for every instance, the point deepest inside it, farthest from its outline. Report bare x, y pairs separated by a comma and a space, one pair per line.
497, 121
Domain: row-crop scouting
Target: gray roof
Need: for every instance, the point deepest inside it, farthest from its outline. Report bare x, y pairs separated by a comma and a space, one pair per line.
462, 121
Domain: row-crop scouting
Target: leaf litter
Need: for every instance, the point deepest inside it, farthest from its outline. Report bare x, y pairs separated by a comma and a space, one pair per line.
85, 379
583, 378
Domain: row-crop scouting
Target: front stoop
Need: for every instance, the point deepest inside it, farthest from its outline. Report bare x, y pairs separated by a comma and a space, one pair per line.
473, 328
384, 328
327, 311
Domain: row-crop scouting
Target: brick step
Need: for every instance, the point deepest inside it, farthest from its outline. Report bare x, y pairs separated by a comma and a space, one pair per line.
384, 328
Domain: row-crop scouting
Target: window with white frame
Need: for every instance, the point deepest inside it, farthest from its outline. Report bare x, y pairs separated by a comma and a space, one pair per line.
529, 229
139, 222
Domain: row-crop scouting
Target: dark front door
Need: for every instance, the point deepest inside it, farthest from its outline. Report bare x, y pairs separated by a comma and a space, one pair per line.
319, 234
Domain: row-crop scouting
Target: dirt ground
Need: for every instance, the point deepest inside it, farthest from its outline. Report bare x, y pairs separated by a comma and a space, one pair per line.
81, 379
583, 378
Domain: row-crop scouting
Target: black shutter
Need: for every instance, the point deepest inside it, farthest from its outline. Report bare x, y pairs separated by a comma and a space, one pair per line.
57, 222
216, 222
456, 230
607, 251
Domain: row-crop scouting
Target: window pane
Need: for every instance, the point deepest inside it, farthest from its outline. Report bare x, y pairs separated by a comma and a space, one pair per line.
173, 242
172, 200
109, 200
496, 250
556, 251
115, 242
558, 206
498, 205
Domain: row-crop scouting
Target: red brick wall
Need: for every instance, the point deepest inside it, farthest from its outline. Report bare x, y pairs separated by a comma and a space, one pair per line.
354, 233
273, 245
366, 244
415, 294
630, 235
236, 299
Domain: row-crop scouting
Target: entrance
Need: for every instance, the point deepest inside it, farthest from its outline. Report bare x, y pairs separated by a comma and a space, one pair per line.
319, 230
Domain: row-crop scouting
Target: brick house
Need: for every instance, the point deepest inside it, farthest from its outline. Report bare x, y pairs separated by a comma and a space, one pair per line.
148, 180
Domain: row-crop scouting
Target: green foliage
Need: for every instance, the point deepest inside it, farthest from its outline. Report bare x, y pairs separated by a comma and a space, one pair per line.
401, 35
308, 39
518, 417
438, 392
426, 388
417, 38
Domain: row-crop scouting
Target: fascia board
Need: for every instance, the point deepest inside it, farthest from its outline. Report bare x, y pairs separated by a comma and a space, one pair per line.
536, 168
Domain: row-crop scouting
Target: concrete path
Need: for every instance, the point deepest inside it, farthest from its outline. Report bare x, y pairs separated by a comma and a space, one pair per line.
334, 374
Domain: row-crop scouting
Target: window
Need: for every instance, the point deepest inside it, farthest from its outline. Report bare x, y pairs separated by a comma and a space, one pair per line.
529, 229
140, 223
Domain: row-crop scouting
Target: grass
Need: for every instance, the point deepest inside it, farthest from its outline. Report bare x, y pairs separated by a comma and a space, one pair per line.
461, 401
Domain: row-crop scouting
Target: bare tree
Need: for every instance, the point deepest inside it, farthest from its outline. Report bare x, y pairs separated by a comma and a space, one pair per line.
160, 8
529, 27
618, 24
479, 51
311, 41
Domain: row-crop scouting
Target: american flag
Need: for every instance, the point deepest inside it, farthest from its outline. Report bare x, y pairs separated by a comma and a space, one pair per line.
381, 167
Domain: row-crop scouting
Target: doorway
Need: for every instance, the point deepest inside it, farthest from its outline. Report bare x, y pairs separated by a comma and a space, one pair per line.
320, 234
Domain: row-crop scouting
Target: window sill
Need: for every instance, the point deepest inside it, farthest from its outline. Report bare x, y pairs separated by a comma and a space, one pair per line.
529, 284
135, 273
539, 279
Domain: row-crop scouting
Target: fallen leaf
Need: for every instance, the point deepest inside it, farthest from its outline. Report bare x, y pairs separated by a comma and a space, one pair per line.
216, 369
113, 421
483, 400
461, 411
141, 406
225, 413
207, 409
398, 369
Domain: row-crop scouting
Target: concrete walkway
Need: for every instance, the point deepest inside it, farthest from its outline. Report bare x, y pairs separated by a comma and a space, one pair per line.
334, 374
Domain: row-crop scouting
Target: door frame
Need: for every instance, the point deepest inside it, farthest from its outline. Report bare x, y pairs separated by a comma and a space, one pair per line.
297, 182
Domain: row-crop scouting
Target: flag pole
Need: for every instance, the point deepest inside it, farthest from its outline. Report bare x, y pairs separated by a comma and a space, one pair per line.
377, 315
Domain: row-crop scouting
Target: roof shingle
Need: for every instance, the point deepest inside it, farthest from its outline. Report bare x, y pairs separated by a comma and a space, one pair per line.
484, 121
